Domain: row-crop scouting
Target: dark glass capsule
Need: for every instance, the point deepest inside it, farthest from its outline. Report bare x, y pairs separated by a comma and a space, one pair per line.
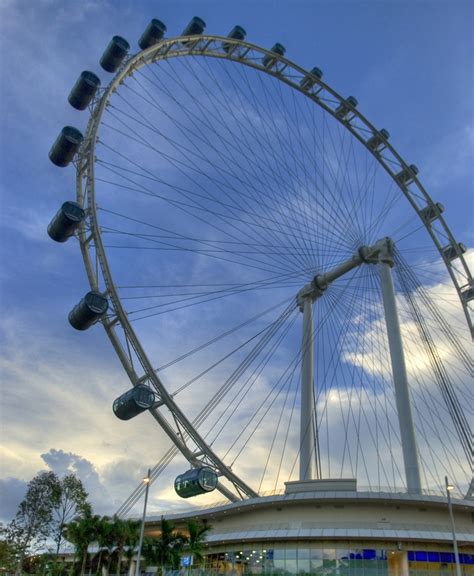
452, 252
407, 175
66, 146
90, 309
308, 81
468, 294
345, 107
114, 54
237, 33
277, 48
431, 212
66, 221
196, 481
133, 402
195, 26
377, 141
84, 90
153, 33
352, 101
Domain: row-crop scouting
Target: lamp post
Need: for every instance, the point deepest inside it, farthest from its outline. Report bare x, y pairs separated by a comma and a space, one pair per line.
450, 487
146, 480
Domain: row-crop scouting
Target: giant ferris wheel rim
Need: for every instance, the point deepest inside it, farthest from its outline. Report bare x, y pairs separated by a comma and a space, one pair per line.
247, 54
211, 46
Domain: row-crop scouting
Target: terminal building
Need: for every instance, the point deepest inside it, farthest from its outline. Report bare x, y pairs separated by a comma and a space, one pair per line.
328, 527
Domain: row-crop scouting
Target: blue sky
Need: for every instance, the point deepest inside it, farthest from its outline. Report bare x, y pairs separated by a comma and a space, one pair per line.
408, 63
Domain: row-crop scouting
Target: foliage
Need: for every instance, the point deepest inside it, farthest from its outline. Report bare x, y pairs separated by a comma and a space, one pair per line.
127, 533
72, 503
8, 556
81, 532
166, 551
196, 540
105, 541
32, 525
115, 538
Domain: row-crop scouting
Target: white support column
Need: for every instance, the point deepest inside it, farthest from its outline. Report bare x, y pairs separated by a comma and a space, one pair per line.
307, 419
402, 397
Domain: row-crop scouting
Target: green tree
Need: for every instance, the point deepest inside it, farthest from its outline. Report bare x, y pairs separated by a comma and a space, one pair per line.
8, 556
106, 537
81, 532
165, 551
127, 534
33, 522
72, 503
195, 542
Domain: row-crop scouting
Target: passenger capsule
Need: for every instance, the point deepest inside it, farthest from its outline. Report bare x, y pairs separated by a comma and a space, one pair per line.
431, 212
84, 90
452, 252
66, 221
268, 61
89, 310
134, 402
468, 294
196, 481
66, 146
407, 175
154, 32
377, 142
308, 81
195, 26
345, 107
237, 33
114, 54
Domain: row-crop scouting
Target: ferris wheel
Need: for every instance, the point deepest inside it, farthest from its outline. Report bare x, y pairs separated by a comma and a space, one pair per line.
285, 297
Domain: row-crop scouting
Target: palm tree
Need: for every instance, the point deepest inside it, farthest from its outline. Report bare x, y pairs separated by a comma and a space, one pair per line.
132, 543
127, 533
164, 551
81, 532
196, 540
105, 542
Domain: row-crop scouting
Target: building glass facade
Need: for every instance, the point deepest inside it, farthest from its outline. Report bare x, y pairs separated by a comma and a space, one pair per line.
338, 558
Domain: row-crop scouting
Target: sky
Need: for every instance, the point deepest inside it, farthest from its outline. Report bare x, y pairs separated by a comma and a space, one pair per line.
409, 63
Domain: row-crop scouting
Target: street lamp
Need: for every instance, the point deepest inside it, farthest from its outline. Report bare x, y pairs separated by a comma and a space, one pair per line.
146, 480
450, 487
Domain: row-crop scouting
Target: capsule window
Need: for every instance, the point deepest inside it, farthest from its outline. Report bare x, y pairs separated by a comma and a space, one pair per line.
153, 33
133, 402
196, 481
88, 311
114, 54
65, 146
84, 90
66, 221
195, 27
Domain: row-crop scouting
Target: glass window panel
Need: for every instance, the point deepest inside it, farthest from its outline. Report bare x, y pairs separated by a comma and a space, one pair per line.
466, 558
368, 554
342, 553
329, 553
303, 560
446, 557
279, 554
303, 553
433, 556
